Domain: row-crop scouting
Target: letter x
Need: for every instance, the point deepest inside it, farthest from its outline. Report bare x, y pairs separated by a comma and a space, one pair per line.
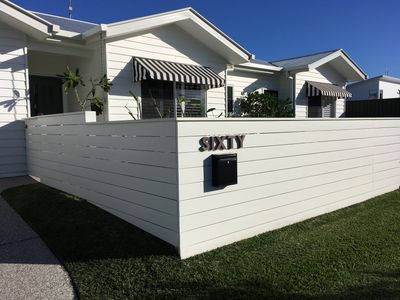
220, 143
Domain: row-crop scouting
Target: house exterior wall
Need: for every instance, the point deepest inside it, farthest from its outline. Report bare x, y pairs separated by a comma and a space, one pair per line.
361, 90
169, 43
126, 168
324, 74
390, 89
247, 82
14, 101
288, 171
92, 66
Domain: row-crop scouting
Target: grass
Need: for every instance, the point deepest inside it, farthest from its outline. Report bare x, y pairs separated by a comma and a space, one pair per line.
351, 253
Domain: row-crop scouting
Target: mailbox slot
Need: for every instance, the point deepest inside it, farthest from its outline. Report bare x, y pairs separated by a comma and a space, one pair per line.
224, 170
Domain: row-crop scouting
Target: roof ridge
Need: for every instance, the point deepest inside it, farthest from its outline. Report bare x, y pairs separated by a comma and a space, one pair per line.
65, 18
300, 56
188, 8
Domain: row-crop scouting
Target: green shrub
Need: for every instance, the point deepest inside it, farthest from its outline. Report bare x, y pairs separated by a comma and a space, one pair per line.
265, 106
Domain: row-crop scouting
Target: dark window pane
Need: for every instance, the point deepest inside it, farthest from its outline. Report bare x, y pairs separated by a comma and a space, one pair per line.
157, 94
45, 95
314, 107
230, 99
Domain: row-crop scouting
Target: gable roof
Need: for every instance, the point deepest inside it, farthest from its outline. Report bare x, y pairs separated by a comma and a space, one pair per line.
302, 61
67, 24
189, 20
25, 21
338, 58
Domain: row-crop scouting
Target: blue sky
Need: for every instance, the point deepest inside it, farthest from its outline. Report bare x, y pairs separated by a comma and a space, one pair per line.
368, 30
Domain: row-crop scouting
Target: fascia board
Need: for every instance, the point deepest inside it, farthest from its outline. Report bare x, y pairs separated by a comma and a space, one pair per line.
221, 38
115, 30
133, 26
25, 21
324, 60
226, 38
260, 66
354, 66
337, 54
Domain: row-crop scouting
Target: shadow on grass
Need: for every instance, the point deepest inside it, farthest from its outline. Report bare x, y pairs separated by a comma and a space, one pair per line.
108, 258
259, 289
77, 231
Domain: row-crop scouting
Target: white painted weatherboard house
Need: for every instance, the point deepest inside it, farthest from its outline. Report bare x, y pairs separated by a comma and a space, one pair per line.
36, 47
379, 87
150, 172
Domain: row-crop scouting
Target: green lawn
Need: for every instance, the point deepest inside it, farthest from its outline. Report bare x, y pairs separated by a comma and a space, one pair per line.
351, 253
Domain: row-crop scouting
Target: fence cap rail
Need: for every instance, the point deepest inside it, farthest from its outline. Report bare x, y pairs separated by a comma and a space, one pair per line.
89, 117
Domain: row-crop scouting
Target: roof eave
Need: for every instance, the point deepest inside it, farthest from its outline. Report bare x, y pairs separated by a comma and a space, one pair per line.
340, 53
252, 65
25, 21
115, 30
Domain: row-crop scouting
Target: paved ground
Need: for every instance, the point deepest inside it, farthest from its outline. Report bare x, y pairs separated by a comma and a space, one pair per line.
28, 270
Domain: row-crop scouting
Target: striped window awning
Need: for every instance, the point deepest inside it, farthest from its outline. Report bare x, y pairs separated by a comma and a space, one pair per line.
325, 89
145, 68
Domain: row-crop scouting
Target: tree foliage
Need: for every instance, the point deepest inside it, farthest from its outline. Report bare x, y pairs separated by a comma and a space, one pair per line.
73, 80
265, 105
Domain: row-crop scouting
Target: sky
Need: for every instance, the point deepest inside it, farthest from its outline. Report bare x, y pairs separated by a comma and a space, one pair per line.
368, 30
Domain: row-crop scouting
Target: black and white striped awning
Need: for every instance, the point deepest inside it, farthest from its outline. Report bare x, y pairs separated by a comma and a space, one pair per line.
325, 89
145, 68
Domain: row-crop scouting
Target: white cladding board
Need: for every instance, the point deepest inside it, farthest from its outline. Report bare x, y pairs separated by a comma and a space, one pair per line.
248, 82
13, 101
324, 74
288, 171
169, 43
126, 168
389, 89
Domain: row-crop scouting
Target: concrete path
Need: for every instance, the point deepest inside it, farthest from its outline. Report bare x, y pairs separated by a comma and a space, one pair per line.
28, 270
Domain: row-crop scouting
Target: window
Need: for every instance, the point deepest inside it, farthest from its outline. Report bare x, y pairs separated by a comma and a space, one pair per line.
321, 107
314, 107
191, 99
373, 94
328, 107
158, 98
229, 99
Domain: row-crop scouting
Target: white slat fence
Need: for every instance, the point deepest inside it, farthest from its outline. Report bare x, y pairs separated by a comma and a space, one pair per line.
152, 174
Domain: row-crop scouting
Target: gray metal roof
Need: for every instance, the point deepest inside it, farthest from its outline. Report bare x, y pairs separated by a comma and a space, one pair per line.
388, 78
262, 62
380, 77
67, 24
302, 61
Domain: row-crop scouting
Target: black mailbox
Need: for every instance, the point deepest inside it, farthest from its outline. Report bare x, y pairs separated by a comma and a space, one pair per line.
224, 170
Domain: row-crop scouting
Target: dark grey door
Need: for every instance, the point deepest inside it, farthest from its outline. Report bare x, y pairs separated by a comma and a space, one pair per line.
314, 107
45, 95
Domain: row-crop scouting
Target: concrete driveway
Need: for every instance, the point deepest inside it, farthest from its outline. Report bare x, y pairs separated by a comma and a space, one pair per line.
28, 269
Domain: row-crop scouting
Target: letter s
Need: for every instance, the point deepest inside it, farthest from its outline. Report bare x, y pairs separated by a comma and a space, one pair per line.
205, 144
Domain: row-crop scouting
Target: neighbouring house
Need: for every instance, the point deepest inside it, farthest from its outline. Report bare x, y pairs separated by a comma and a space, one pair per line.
379, 87
318, 82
